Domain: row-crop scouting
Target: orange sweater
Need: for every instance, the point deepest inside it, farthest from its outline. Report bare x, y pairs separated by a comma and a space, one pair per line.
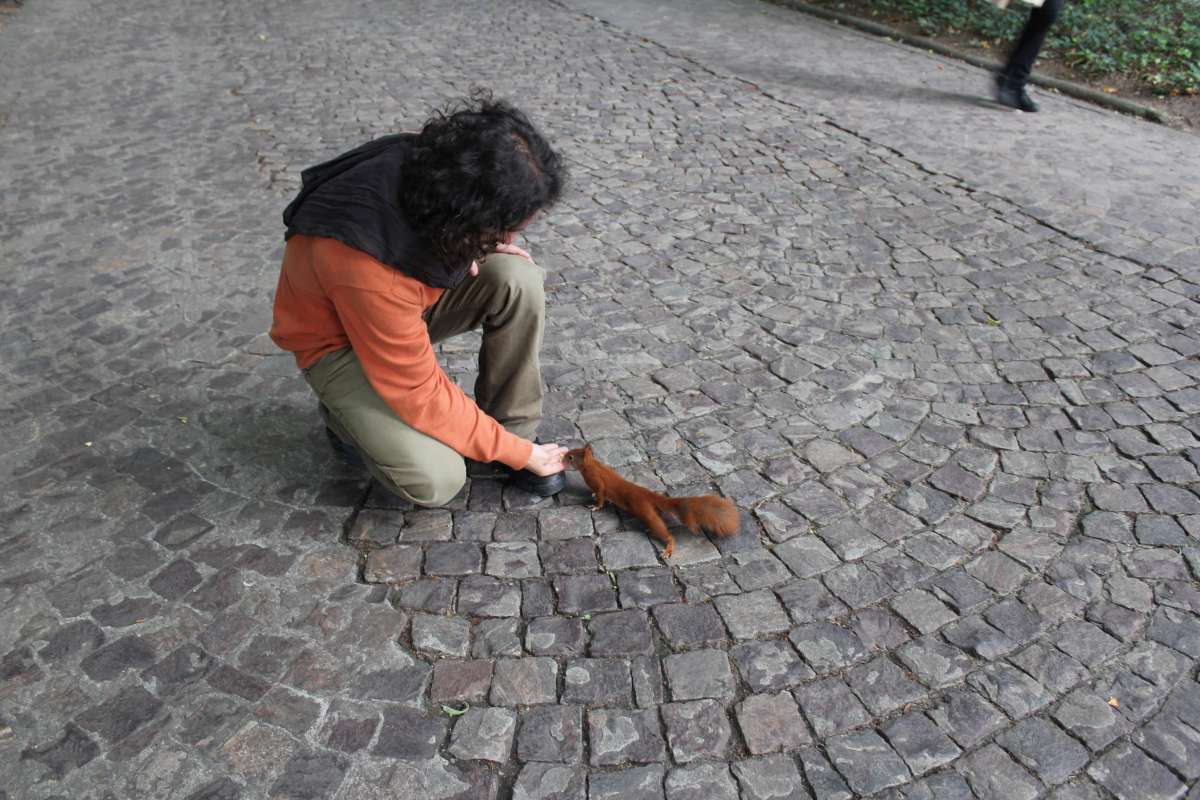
331, 296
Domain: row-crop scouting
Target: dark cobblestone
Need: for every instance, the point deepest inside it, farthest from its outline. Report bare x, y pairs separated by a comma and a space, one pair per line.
690, 626
620, 736
551, 733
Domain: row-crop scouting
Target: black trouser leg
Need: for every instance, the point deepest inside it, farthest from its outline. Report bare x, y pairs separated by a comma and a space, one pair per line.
1033, 35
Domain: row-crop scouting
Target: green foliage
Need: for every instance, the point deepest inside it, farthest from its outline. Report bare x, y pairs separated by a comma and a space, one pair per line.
1157, 42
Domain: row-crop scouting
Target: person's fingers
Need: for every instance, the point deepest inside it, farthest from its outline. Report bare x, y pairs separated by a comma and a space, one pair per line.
474, 270
513, 250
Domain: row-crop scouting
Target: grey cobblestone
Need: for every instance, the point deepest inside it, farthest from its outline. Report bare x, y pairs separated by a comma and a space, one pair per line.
770, 723
620, 736
769, 778
696, 729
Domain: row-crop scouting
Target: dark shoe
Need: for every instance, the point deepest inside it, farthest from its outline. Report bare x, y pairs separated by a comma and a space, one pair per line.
541, 485
1014, 97
486, 469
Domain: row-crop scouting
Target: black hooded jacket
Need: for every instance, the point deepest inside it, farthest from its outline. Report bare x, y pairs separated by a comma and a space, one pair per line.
353, 198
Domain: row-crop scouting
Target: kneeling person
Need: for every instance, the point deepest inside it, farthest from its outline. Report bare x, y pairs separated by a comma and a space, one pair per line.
398, 244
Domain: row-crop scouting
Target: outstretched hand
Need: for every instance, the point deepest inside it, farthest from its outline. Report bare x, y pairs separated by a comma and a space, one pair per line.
546, 459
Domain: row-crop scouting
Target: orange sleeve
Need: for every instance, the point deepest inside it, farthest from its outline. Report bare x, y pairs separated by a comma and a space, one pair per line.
389, 336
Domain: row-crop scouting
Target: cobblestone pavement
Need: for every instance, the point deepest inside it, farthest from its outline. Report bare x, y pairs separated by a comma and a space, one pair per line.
964, 432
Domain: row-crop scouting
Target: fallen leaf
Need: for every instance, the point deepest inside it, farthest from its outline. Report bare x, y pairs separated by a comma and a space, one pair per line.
87, 444
1111, 90
451, 711
183, 420
1114, 702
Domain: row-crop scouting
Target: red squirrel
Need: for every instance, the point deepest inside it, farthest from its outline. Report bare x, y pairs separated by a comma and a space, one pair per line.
715, 514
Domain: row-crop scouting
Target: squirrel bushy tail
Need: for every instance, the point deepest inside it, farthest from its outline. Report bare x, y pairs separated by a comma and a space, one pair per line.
714, 514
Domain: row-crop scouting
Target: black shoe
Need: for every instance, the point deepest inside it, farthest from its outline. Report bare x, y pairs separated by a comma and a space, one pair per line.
541, 485
1014, 97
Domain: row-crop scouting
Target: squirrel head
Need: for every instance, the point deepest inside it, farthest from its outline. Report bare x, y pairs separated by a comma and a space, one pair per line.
579, 456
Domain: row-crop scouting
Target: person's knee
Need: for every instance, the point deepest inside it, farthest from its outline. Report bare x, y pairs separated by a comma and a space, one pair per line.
515, 279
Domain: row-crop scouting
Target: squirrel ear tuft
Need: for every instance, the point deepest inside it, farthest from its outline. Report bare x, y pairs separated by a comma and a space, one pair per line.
587, 448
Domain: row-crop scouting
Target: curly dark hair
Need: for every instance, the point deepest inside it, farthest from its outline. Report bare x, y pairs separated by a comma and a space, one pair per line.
478, 170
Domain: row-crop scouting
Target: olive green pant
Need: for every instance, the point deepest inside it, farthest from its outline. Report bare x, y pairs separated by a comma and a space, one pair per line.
507, 299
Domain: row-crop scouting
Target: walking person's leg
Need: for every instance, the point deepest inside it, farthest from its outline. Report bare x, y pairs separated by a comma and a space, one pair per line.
1012, 78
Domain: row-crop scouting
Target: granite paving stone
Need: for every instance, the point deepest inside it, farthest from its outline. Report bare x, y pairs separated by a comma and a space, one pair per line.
408, 734
1044, 749
524, 681
752, 615
879, 629
458, 681
620, 633
555, 636
1128, 772
994, 775
585, 594
394, 564
688, 626
598, 682
450, 636
830, 707
513, 560
773, 777
542, 781
866, 762
619, 736
485, 596
633, 783
1090, 718
696, 729
769, 665
625, 549
703, 781
699, 674
809, 601
922, 610
643, 588
827, 647
646, 674
967, 717
770, 723
921, 744
882, 686
495, 637
1052, 668
1172, 740
551, 733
